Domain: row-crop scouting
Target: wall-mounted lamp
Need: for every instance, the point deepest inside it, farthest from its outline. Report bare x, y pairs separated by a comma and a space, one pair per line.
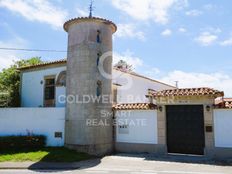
160, 108
208, 108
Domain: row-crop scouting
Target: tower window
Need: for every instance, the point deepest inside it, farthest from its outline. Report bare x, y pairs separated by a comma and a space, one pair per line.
98, 36
98, 58
115, 93
99, 88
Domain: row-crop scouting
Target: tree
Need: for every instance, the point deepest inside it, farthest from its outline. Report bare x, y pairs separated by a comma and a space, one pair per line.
123, 66
10, 82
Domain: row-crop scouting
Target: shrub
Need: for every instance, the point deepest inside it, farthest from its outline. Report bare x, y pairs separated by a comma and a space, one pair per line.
10, 81
4, 99
22, 142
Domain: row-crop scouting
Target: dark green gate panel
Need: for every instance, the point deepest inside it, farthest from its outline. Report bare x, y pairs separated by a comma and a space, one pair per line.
185, 129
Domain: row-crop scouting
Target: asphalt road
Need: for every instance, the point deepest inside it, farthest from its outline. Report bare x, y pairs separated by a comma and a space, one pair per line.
136, 165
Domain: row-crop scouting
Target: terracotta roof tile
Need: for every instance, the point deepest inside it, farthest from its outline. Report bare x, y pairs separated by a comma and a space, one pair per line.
228, 104
189, 92
134, 106
62, 61
225, 103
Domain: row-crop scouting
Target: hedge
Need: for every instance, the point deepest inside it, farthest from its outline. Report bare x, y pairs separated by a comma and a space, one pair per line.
22, 142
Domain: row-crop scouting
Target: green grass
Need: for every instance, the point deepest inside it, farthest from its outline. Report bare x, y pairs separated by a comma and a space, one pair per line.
43, 155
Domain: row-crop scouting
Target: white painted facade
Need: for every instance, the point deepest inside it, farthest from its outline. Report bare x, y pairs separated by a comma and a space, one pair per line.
39, 121
32, 91
223, 127
137, 126
134, 89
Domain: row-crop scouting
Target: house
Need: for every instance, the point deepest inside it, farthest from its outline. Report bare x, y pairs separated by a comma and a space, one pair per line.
84, 104
49, 82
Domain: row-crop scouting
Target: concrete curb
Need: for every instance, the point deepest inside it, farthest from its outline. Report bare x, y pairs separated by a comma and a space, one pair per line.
49, 165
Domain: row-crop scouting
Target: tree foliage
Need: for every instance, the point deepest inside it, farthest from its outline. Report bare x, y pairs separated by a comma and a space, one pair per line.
10, 82
123, 66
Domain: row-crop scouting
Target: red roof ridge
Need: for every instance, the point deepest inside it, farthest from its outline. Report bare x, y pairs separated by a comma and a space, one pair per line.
134, 106
225, 103
189, 92
43, 64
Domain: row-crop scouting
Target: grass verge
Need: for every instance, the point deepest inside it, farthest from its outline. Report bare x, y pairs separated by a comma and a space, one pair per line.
49, 154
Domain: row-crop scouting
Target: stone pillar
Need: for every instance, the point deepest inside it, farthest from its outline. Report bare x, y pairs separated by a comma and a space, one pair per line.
87, 129
161, 118
209, 136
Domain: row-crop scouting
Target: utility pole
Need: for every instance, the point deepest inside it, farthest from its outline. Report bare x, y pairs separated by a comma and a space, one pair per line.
177, 84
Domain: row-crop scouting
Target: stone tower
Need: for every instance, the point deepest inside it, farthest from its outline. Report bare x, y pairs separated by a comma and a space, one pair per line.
87, 127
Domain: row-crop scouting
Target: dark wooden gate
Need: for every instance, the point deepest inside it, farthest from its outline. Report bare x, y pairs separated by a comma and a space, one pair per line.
185, 129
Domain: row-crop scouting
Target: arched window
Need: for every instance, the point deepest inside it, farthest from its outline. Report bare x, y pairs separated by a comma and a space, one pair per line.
99, 88
61, 79
98, 36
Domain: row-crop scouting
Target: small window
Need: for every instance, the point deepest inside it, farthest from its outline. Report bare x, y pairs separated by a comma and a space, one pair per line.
98, 58
49, 92
98, 36
99, 88
115, 94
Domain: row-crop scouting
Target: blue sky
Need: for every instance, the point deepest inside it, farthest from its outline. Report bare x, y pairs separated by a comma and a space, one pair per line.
189, 41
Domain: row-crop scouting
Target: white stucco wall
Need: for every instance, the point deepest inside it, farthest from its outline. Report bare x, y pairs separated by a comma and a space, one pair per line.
223, 127
40, 121
141, 126
32, 91
60, 96
134, 88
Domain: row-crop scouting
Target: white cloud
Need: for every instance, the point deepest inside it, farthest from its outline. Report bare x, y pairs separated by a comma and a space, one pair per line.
182, 30
227, 42
194, 13
153, 72
129, 57
82, 12
130, 31
37, 10
166, 32
212, 30
209, 7
6, 60
218, 81
206, 38
156, 10
7, 57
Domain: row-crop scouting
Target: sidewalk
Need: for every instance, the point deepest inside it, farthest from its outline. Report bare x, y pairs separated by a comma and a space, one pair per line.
123, 161
49, 165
